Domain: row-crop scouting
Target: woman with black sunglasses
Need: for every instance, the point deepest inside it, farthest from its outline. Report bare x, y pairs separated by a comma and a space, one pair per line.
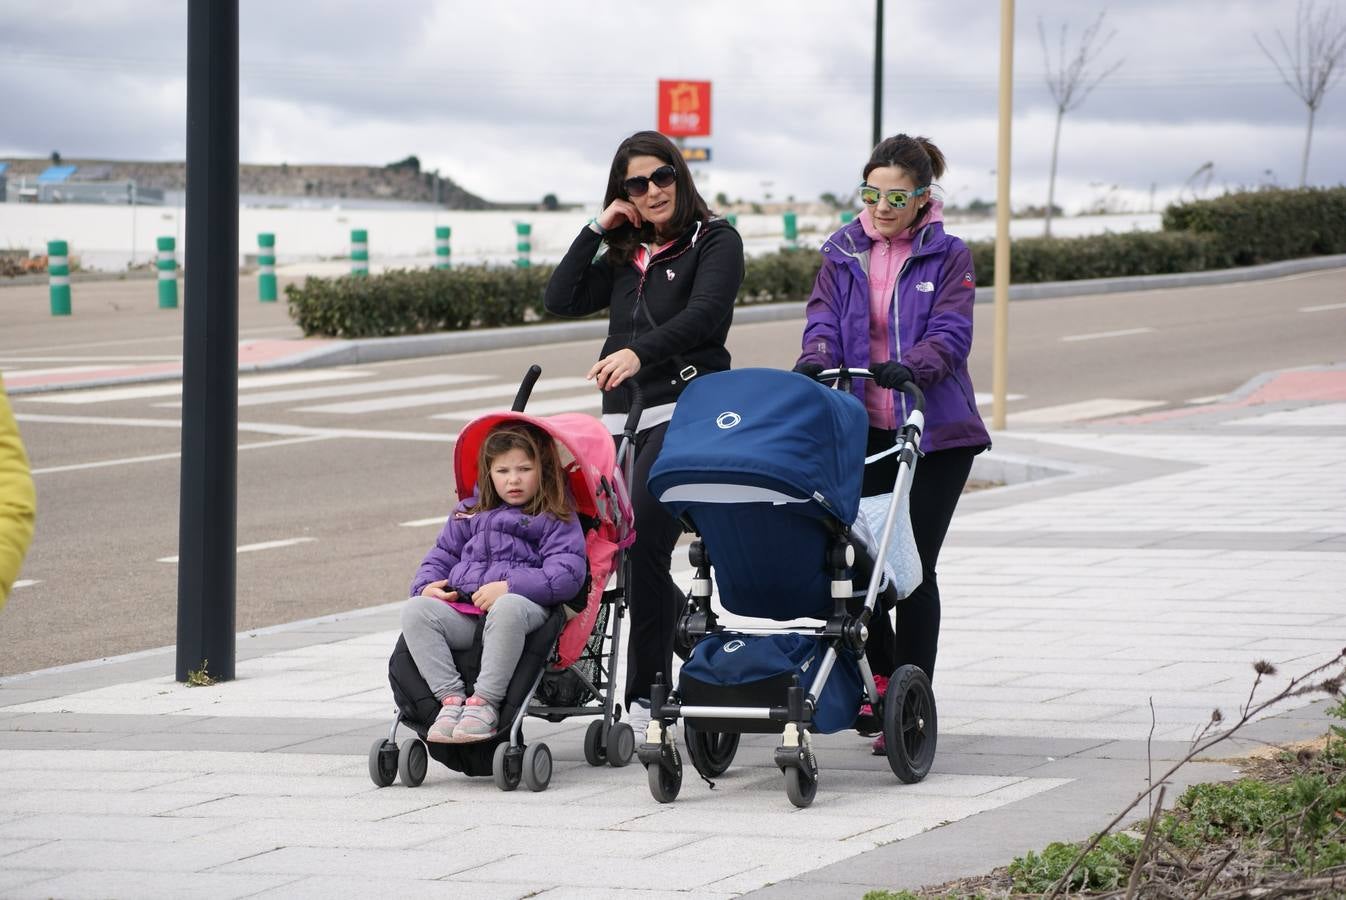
668, 272
894, 295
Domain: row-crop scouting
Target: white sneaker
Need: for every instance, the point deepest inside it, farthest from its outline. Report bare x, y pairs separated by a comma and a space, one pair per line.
639, 719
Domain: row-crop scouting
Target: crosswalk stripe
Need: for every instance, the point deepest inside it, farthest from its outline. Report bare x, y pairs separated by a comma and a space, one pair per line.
250, 548
382, 404
590, 402
144, 391
26, 582
346, 390
1084, 409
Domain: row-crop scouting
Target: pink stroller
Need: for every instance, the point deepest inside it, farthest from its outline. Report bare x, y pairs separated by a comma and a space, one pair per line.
567, 664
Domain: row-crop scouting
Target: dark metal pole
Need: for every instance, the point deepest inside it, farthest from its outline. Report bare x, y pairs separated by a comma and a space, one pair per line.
207, 517
878, 73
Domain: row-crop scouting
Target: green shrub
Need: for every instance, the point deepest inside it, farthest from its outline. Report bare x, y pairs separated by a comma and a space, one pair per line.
1035, 260
1268, 225
1104, 868
780, 277
405, 301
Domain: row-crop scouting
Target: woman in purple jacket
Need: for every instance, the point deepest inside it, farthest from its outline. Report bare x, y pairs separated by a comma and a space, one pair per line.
510, 552
894, 295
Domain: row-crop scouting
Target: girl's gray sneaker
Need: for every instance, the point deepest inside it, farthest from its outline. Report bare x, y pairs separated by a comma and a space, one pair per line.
441, 732
479, 722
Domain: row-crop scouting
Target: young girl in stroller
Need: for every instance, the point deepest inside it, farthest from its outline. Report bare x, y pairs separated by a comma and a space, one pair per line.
511, 552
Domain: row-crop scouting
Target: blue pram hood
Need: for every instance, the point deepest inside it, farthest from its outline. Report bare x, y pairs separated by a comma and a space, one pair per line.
765, 464
765, 435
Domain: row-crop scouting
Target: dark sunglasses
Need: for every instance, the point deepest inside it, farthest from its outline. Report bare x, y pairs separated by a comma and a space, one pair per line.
638, 186
896, 199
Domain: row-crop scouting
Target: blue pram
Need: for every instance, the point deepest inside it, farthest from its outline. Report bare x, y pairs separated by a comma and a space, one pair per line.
765, 467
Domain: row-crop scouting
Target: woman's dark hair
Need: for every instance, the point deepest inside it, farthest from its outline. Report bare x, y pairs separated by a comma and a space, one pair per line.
688, 206
917, 155
538, 446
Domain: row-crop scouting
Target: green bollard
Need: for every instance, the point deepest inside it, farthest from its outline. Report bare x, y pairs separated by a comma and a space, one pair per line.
167, 264
732, 219
266, 267
525, 245
359, 252
791, 227
442, 234
58, 269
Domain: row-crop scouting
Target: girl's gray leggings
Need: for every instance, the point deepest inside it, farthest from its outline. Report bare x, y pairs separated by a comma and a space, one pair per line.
432, 628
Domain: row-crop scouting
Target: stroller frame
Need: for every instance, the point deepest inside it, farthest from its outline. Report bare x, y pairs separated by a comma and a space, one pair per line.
607, 739
843, 631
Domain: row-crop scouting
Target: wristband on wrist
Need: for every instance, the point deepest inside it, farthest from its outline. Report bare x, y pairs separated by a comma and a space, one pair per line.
596, 228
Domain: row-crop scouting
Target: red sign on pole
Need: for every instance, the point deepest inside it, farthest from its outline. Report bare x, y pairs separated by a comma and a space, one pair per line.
684, 108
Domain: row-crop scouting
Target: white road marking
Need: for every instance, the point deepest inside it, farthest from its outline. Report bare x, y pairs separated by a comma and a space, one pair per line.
988, 399
421, 523
259, 427
96, 420
1324, 308
1202, 401
158, 457
1084, 409
103, 361
592, 402
140, 392
26, 582
57, 370
383, 404
1098, 335
346, 390
250, 548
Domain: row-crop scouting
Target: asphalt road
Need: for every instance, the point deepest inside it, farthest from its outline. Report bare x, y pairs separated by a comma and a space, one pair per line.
329, 510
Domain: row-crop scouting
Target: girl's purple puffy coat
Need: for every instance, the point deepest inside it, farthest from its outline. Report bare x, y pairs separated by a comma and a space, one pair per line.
930, 333
540, 557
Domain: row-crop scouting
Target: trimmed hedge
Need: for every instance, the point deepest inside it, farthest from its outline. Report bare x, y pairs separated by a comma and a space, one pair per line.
1266, 226
1034, 260
1234, 230
418, 301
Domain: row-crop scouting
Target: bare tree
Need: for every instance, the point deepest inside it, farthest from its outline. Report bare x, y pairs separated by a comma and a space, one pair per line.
1313, 64
1070, 82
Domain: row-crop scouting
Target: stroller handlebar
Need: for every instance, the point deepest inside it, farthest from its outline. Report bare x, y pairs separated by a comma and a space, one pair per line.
843, 373
637, 407
526, 388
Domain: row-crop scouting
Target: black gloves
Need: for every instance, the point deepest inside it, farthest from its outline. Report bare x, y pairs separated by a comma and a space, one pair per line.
809, 369
891, 374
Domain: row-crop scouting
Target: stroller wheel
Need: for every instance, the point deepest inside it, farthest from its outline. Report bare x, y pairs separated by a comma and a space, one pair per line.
712, 752
621, 744
383, 762
594, 754
537, 767
800, 786
664, 783
506, 768
910, 725
412, 761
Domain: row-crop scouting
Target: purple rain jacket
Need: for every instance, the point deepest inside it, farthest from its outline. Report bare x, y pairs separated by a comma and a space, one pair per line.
932, 327
540, 557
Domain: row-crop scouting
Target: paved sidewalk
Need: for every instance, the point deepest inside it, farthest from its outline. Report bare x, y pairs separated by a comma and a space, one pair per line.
1146, 559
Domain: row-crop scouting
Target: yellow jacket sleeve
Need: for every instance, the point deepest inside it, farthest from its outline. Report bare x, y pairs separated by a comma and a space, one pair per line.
18, 501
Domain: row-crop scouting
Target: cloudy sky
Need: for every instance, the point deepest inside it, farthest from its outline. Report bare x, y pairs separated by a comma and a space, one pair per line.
517, 99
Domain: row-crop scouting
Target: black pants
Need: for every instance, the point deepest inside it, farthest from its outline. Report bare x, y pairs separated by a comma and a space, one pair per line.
653, 598
939, 482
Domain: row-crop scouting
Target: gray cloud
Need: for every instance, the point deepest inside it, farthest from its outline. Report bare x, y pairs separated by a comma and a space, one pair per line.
520, 99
